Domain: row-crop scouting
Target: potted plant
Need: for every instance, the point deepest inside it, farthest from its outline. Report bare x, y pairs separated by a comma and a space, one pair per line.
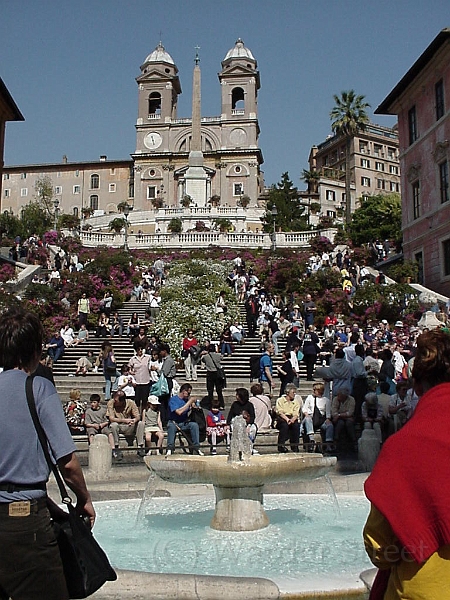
157, 202
314, 207
214, 200
186, 201
244, 201
175, 225
404, 272
222, 224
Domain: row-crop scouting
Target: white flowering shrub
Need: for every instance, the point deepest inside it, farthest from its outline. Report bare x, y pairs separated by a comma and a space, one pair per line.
188, 297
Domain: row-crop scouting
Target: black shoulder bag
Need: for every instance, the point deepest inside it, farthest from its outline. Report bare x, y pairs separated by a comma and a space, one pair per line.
86, 566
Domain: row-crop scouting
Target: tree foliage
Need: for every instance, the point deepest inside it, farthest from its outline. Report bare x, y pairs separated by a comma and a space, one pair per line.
290, 214
117, 224
44, 194
35, 219
175, 225
378, 217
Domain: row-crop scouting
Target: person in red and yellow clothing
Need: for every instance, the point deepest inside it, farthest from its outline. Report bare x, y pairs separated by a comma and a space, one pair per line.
407, 533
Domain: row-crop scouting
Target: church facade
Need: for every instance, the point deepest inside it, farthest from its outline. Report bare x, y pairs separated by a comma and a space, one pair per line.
227, 163
214, 161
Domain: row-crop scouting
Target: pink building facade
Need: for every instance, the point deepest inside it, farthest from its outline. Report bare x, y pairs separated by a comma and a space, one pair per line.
421, 100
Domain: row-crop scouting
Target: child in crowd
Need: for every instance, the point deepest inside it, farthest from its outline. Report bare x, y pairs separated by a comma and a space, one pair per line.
152, 424
127, 382
74, 412
216, 427
96, 420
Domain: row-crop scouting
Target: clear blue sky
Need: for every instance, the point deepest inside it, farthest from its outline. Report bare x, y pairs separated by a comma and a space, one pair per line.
71, 66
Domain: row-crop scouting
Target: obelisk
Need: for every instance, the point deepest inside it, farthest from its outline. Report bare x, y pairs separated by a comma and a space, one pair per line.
196, 176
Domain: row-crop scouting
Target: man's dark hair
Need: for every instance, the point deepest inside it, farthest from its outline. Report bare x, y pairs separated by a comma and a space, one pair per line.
185, 387
21, 336
384, 387
243, 395
94, 398
339, 353
139, 344
165, 347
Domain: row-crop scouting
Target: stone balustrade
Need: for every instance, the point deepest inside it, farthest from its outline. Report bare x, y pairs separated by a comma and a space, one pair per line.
203, 239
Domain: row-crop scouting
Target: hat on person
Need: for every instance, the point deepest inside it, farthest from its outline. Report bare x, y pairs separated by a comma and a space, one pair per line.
296, 306
398, 324
384, 322
153, 399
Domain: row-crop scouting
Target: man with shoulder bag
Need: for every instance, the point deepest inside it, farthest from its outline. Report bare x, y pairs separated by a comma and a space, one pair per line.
30, 563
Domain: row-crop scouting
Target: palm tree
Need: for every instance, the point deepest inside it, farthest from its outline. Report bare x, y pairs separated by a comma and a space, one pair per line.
312, 178
348, 117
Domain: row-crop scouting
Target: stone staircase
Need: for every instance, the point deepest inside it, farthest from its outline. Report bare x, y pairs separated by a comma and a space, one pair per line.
237, 366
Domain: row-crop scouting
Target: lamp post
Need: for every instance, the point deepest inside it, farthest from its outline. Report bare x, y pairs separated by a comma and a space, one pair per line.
126, 211
274, 213
56, 205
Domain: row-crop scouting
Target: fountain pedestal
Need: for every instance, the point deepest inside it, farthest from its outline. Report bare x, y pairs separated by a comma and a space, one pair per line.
239, 509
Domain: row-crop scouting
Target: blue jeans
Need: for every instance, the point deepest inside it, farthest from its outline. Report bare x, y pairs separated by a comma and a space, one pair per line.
109, 385
328, 429
55, 353
275, 337
192, 428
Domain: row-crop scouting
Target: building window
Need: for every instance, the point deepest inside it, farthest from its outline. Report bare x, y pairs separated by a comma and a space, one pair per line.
131, 189
416, 199
418, 257
151, 192
154, 104
331, 213
23, 176
7, 193
365, 181
112, 187
93, 202
412, 125
112, 171
238, 189
77, 173
95, 181
75, 211
377, 150
330, 195
76, 189
365, 163
393, 169
446, 257
58, 189
443, 181
391, 153
381, 184
5, 176
363, 147
395, 187
439, 95
379, 166
24, 192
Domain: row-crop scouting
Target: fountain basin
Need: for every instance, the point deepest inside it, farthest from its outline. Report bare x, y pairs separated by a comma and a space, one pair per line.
239, 485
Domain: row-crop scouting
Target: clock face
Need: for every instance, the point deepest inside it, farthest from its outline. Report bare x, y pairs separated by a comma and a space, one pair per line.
152, 140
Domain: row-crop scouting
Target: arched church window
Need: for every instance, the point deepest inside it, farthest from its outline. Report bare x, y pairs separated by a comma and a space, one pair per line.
154, 103
75, 211
237, 99
95, 181
93, 202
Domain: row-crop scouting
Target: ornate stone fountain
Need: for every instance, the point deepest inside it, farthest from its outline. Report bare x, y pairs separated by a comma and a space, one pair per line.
239, 479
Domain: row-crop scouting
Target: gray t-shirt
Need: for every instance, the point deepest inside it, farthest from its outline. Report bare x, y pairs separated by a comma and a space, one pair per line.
22, 460
96, 417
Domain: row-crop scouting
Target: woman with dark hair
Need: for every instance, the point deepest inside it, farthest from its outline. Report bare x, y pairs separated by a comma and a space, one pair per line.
133, 325
407, 533
30, 561
109, 368
241, 403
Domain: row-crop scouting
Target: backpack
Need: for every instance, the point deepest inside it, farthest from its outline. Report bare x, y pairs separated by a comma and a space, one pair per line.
255, 369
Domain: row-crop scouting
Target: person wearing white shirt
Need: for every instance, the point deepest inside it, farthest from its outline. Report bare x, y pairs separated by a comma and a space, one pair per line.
324, 406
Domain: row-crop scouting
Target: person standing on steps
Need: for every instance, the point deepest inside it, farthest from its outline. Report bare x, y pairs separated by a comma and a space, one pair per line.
84, 309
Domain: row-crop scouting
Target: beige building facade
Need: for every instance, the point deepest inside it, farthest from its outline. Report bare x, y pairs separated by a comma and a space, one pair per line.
374, 164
